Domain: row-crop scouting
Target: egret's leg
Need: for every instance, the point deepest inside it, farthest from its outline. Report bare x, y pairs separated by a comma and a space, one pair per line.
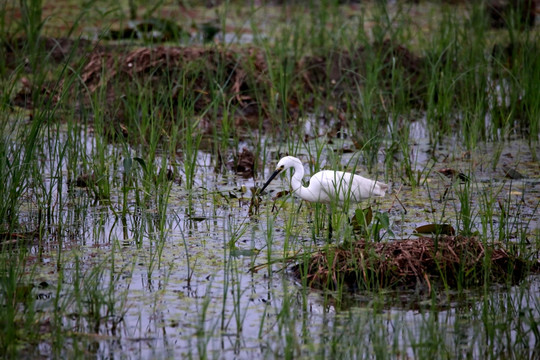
329, 223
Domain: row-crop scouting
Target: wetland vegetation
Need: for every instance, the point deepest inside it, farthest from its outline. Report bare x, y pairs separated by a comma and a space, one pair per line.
134, 139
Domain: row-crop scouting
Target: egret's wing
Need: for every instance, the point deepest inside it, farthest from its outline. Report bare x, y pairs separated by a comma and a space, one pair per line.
351, 186
330, 185
336, 185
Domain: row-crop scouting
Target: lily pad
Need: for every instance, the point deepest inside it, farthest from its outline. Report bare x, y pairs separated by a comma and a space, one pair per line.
436, 229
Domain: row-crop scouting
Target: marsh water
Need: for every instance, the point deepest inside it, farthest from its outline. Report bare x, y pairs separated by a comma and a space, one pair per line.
208, 279
129, 230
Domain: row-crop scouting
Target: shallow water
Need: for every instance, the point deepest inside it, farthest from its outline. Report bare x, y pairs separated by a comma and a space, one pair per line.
187, 291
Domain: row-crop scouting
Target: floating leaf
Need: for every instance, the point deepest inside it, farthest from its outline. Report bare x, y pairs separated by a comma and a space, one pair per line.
512, 173
453, 174
281, 194
437, 229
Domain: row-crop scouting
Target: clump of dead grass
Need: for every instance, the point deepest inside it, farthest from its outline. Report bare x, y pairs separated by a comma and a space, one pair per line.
449, 261
188, 75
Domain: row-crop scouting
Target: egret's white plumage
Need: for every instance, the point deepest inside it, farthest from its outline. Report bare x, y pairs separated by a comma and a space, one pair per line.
328, 185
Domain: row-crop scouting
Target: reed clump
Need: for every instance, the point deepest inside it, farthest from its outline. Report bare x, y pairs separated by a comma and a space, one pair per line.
243, 73
449, 261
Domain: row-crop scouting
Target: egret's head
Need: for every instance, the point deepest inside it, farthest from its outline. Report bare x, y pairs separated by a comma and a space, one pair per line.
287, 162
284, 163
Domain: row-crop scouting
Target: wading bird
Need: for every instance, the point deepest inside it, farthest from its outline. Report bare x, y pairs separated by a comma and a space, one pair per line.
328, 186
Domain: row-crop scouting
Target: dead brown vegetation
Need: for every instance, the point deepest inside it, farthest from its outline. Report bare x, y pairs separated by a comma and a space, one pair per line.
190, 75
450, 261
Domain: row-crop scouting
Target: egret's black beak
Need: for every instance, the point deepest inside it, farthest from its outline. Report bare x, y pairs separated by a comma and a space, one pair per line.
276, 173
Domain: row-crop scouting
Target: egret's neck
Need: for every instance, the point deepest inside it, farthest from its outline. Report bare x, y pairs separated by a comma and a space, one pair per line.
296, 184
298, 175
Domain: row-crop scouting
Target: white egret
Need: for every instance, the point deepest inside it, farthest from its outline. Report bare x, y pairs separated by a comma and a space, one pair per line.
328, 186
